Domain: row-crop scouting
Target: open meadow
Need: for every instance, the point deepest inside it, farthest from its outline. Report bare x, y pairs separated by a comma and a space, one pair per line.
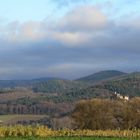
13, 119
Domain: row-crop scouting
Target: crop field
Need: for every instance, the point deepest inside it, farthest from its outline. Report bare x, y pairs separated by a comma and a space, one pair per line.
43, 132
18, 95
66, 138
12, 119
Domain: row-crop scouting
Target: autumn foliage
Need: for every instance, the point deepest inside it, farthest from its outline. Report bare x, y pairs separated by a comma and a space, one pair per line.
99, 114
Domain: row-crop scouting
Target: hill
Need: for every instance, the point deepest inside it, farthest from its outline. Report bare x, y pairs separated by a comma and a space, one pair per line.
102, 84
57, 97
126, 85
58, 86
102, 75
23, 83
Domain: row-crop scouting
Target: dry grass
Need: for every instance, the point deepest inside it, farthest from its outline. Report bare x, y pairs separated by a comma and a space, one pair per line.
12, 119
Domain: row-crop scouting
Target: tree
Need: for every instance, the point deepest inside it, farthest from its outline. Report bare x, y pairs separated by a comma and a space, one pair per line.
107, 114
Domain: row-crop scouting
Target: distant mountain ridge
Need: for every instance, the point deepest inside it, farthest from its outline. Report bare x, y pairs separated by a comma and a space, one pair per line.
58, 86
57, 97
23, 83
102, 84
127, 84
102, 75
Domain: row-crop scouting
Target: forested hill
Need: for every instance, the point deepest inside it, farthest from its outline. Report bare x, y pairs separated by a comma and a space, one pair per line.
58, 86
102, 75
127, 85
66, 92
23, 83
104, 84
67, 86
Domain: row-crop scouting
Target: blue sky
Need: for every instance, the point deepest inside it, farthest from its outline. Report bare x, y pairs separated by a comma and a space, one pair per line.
24, 10
68, 38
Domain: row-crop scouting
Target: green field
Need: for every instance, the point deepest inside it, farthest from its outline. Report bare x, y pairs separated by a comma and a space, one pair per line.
67, 138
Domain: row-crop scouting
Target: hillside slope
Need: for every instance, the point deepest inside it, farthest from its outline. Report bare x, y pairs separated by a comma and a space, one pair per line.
58, 86
23, 83
102, 75
104, 85
126, 85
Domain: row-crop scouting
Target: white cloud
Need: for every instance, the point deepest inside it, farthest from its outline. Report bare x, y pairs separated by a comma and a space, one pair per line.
70, 39
83, 18
22, 32
82, 42
76, 27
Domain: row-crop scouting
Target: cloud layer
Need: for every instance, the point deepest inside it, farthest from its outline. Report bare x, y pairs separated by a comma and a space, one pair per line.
83, 41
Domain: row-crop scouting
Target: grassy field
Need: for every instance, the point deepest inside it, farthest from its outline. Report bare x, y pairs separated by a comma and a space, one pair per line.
66, 138
11, 119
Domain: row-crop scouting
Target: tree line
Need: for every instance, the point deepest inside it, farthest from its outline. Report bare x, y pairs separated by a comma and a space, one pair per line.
105, 114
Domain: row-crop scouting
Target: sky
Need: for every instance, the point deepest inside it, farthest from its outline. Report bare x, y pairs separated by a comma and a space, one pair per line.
68, 38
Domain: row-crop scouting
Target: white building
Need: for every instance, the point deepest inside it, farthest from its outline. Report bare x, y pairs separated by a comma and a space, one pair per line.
119, 96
